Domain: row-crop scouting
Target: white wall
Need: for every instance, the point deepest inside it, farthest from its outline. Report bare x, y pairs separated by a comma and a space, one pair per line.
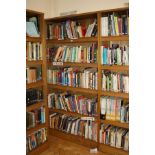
53, 8
86, 5
41, 6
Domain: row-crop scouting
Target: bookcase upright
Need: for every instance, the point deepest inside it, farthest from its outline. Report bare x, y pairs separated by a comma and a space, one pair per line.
41, 84
99, 40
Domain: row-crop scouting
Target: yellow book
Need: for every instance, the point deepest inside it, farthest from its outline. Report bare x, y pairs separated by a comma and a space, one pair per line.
116, 25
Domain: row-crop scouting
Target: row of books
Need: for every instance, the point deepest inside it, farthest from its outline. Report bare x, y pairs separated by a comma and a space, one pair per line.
116, 82
33, 96
75, 77
33, 74
115, 55
35, 139
33, 51
114, 25
79, 54
35, 117
71, 29
73, 102
114, 136
115, 109
83, 126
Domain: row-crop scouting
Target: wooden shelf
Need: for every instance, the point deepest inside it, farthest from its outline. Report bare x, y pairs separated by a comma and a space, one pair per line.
34, 85
115, 68
66, 41
33, 39
116, 123
115, 94
112, 150
34, 106
116, 38
74, 64
33, 63
89, 92
39, 149
73, 138
69, 113
76, 89
37, 127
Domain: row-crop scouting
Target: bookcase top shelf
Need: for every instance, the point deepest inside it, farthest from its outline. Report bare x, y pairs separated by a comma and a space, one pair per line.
32, 12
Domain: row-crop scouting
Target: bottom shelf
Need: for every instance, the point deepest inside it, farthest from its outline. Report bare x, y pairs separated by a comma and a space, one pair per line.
112, 150
39, 149
73, 138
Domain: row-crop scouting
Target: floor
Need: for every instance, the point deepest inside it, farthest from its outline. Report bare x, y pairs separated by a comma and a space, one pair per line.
62, 147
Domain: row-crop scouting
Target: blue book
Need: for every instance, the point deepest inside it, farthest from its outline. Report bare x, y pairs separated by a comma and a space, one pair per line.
31, 29
104, 56
42, 115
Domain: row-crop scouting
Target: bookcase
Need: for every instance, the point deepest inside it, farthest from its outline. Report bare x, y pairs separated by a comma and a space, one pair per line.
55, 36
36, 88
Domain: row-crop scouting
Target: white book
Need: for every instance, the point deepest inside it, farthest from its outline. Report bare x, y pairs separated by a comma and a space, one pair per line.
125, 58
103, 81
115, 83
119, 58
103, 104
108, 112
34, 51
73, 128
90, 130
126, 143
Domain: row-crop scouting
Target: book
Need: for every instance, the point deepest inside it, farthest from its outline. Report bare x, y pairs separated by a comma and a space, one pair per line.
31, 29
